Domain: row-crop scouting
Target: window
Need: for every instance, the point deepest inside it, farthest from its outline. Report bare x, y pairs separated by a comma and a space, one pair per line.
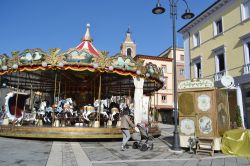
182, 57
246, 45
196, 39
164, 68
164, 99
129, 52
220, 62
164, 84
248, 94
245, 9
198, 70
182, 72
248, 49
197, 67
218, 28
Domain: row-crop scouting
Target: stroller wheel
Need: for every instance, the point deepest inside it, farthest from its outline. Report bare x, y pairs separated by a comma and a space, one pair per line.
144, 147
135, 145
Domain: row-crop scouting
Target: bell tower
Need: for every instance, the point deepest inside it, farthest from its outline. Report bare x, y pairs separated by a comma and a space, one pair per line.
128, 47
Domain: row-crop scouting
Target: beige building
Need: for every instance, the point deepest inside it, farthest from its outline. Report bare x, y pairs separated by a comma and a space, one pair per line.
168, 53
217, 43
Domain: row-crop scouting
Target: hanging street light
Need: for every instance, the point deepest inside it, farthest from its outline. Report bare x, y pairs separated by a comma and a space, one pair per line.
187, 15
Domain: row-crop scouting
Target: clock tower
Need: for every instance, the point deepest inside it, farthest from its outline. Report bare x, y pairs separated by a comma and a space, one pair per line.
128, 47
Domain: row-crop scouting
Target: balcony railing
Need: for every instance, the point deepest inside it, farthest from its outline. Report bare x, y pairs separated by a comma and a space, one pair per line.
217, 76
247, 68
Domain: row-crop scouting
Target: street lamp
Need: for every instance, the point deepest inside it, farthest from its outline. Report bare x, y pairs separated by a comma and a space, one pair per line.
187, 15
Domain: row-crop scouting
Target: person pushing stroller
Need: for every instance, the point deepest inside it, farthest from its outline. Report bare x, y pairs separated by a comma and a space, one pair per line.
126, 123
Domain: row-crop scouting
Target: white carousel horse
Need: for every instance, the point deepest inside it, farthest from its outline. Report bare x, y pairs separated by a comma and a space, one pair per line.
65, 106
67, 113
59, 107
68, 106
104, 104
45, 111
88, 109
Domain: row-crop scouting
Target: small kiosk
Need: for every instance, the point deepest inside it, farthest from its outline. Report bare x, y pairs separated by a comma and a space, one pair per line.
203, 113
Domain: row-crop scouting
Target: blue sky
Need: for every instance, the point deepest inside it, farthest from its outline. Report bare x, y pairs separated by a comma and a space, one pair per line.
62, 23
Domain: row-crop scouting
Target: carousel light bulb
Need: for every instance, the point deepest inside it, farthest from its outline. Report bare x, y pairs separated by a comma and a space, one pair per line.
147, 75
44, 64
15, 66
95, 65
4, 67
138, 72
111, 68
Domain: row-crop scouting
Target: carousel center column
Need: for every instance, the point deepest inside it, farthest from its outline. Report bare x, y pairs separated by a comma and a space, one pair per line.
138, 99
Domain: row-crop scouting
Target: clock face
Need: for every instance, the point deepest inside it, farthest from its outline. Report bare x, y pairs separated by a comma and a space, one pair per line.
204, 102
205, 125
187, 126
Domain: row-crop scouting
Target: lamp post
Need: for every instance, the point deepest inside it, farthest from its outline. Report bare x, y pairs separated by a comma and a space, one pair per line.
187, 15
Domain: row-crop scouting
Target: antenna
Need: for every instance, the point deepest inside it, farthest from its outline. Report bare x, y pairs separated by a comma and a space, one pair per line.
227, 81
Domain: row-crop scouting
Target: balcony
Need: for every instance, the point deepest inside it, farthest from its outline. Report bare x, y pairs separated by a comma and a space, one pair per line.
217, 76
247, 68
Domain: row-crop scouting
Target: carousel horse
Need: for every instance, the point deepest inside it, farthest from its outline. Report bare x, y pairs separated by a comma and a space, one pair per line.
68, 105
45, 112
64, 112
70, 114
115, 112
59, 106
103, 107
88, 114
104, 117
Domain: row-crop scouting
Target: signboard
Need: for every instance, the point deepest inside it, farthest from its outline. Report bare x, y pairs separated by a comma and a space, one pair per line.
197, 83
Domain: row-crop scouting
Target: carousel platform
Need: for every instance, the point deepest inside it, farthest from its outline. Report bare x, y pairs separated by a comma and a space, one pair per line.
65, 132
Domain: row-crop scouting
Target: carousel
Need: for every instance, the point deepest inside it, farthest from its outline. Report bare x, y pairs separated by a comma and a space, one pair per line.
77, 94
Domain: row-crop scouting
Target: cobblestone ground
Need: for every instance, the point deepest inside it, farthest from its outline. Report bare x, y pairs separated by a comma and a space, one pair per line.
22, 152
109, 153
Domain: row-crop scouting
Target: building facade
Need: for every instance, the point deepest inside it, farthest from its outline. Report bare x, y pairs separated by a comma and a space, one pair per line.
168, 53
217, 44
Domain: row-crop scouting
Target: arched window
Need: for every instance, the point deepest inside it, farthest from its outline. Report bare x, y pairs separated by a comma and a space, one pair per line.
129, 51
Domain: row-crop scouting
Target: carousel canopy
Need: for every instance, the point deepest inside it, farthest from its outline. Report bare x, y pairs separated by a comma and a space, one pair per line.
77, 70
86, 43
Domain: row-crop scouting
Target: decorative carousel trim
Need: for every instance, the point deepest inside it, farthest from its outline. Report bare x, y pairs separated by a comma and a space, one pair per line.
77, 60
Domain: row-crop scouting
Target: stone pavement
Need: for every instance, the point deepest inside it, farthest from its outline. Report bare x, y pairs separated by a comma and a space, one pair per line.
21, 152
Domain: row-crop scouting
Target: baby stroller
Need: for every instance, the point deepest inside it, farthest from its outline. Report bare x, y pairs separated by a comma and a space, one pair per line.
145, 141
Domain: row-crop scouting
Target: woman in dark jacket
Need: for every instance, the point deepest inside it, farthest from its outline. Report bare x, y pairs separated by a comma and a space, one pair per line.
126, 123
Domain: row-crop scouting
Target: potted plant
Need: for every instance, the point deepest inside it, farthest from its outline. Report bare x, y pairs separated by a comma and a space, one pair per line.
238, 117
156, 115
